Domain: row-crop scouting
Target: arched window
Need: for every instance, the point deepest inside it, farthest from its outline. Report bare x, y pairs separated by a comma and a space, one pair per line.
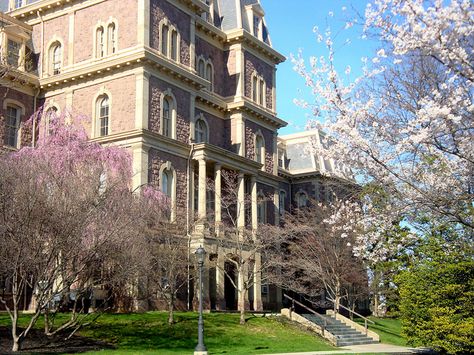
210, 75
201, 68
168, 116
100, 44
254, 88
201, 131
111, 39
174, 45
261, 92
301, 199
164, 40
261, 209
103, 115
56, 58
259, 149
167, 182
12, 125
51, 115
281, 204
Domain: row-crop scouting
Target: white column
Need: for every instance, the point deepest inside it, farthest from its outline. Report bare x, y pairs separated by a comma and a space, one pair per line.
143, 23
257, 284
192, 45
253, 181
217, 196
241, 201
202, 190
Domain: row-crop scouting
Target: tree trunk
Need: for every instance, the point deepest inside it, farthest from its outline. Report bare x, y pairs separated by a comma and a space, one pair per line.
241, 294
170, 312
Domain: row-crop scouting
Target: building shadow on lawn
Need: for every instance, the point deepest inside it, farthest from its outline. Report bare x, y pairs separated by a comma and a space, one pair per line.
38, 343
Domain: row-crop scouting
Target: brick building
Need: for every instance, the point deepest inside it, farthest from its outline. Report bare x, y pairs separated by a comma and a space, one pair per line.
188, 86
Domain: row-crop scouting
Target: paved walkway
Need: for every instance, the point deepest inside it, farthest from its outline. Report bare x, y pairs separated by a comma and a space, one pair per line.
369, 348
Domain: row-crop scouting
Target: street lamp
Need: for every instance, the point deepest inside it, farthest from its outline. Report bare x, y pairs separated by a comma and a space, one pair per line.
200, 347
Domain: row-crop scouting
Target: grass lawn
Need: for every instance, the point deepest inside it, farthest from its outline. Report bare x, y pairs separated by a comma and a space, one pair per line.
389, 330
149, 333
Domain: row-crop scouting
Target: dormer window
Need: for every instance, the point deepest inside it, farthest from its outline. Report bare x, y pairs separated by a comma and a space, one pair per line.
257, 26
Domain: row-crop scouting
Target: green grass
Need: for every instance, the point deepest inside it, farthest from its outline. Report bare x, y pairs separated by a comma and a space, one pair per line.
389, 330
149, 333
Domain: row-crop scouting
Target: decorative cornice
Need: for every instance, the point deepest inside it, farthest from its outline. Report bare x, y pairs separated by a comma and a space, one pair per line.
248, 106
243, 36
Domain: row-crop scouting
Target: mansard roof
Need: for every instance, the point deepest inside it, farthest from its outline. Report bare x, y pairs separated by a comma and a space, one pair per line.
238, 14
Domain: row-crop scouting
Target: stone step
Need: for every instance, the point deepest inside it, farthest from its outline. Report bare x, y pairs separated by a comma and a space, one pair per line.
344, 334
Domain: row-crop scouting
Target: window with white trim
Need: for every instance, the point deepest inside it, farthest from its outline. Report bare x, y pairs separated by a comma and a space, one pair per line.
14, 48
281, 202
301, 199
56, 58
259, 149
200, 130
111, 38
12, 125
51, 115
258, 89
103, 115
167, 119
167, 182
100, 43
169, 41
261, 209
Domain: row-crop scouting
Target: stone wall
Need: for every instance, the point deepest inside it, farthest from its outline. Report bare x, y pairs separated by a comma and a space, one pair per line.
216, 56
122, 103
155, 160
218, 132
250, 129
230, 83
157, 87
254, 64
160, 9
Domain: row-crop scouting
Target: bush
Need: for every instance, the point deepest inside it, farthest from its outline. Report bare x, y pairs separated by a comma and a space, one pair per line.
437, 305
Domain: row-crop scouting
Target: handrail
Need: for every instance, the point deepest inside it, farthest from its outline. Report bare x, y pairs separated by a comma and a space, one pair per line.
353, 312
307, 308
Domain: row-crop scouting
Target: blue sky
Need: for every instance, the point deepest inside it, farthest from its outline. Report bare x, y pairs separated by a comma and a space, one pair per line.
291, 28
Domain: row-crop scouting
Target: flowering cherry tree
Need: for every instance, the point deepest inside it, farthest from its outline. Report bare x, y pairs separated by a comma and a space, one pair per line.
69, 222
406, 125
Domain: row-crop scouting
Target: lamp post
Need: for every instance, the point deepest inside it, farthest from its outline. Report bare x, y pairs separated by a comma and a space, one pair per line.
200, 347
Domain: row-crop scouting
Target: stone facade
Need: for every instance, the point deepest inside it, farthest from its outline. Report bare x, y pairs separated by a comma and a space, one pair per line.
135, 76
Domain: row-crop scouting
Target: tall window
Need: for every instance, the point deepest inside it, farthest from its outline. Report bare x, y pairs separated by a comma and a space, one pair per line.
254, 88
201, 131
201, 68
100, 44
111, 39
210, 75
167, 117
301, 199
12, 124
261, 210
281, 203
259, 149
258, 89
167, 182
13, 53
164, 40
51, 116
19, 3
56, 58
256, 26
174, 45
103, 115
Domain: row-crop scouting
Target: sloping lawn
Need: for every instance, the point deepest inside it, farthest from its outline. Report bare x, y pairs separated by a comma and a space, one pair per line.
149, 333
389, 330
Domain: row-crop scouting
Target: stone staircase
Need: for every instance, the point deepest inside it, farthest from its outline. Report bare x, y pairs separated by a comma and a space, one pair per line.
345, 335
